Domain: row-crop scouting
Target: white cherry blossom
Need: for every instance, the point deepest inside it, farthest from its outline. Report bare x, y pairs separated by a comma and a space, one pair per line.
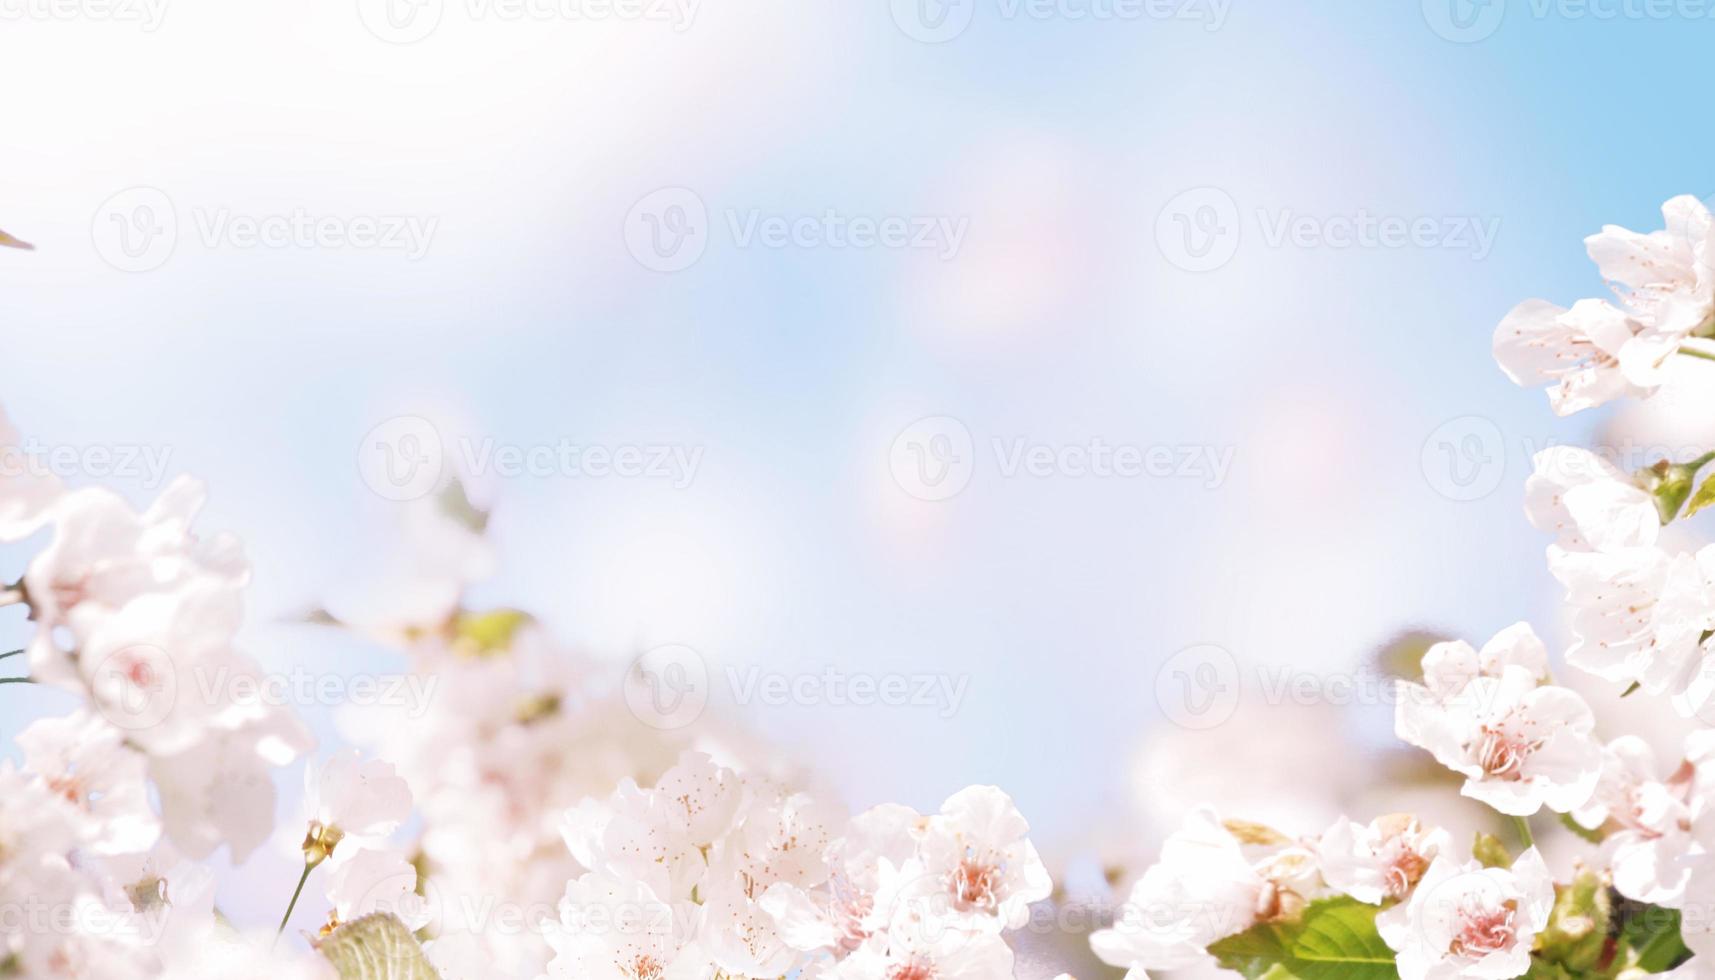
659, 836
1588, 502
1450, 665
1639, 614
1666, 277
104, 554
375, 879
976, 854
1465, 920
1519, 746
1586, 353
1648, 818
1381, 861
954, 956
837, 917
615, 929
1203, 889
354, 803
101, 783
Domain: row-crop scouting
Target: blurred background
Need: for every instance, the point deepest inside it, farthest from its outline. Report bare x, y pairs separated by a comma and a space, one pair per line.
884, 279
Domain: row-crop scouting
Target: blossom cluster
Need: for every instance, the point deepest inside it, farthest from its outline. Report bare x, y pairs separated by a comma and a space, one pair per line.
106, 825
523, 824
1396, 897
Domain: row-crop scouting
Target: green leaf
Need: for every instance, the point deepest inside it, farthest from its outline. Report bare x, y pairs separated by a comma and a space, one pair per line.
376, 947
1652, 934
1704, 496
1336, 939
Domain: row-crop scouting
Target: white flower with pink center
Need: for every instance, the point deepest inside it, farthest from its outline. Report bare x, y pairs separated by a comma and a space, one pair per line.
1519, 746
1381, 861
662, 836
1647, 818
1583, 353
1666, 277
1639, 614
980, 860
949, 956
841, 915
100, 781
104, 554
1465, 920
1205, 888
615, 929
1596, 351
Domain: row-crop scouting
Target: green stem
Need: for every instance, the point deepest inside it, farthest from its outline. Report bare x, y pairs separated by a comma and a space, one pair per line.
17, 680
10, 653
1694, 352
308, 867
1522, 825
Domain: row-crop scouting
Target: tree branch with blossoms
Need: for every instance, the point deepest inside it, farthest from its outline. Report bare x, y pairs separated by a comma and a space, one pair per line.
522, 815
1397, 898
